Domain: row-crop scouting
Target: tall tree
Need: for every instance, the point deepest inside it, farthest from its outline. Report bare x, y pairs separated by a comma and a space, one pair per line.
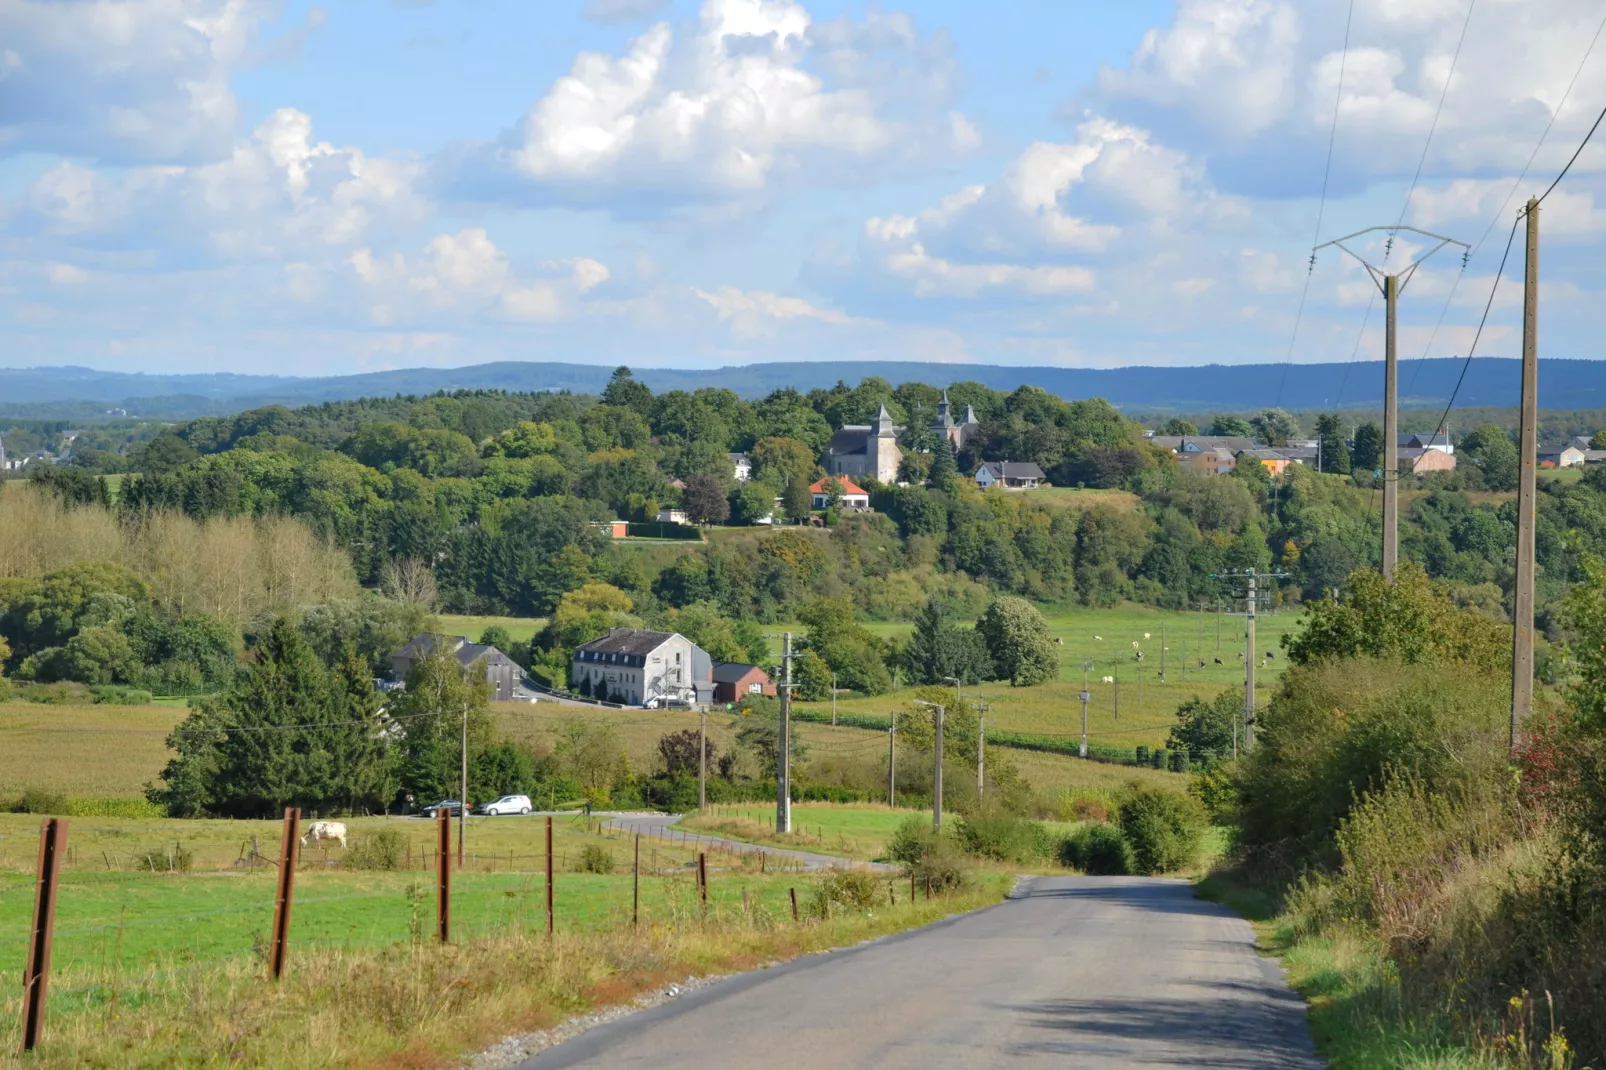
1275, 426
705, 501
1368, 455
625, 391
441, 702
1018, 642
1492, 451
939, 649
1334, 453
944, 474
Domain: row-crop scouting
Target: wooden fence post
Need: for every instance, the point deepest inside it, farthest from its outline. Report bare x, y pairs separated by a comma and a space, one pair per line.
443, 884
36, 974
289, 857
549, 920
702, 878
793, 893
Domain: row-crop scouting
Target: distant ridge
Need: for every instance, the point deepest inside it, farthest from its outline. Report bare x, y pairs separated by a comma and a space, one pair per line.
1493, 381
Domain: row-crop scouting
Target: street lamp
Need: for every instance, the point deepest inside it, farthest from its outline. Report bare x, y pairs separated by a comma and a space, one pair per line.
936, 776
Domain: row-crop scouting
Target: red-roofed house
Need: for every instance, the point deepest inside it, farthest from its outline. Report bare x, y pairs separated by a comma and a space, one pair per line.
853, 495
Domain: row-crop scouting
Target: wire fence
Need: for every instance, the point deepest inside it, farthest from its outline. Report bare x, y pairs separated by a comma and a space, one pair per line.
125, 932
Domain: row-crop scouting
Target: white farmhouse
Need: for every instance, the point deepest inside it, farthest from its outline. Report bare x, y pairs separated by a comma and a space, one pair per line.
637, 667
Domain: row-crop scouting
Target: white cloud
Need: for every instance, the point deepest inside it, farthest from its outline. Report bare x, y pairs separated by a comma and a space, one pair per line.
66, 274
123, 80
726, 110
468, 273
731, 302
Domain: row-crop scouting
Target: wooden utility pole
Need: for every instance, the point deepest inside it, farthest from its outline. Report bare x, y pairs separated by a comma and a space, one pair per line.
981, 748
1522, 633
936, 778
1391, 287
783, 771
702, 758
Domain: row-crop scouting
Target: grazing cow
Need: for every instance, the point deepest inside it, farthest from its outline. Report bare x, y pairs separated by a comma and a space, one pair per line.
1107, 680
1271, 653
1059, 642
1218, 661
1140, 655
324, 830
1098, 638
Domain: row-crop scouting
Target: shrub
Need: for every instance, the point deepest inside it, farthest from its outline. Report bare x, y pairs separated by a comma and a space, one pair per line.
103, 807
40, 801
1162, 829
911, 840
1097, 849
1216, 791
1003, 837
852, 889
1084, 806
595, 858
943, 866
382, 849
116, 695
174, 859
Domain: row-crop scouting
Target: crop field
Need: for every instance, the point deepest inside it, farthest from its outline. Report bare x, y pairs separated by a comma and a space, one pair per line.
97, 750
1074, 498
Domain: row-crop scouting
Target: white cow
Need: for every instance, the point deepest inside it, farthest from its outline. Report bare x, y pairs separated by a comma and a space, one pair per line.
324, 830
1108, 680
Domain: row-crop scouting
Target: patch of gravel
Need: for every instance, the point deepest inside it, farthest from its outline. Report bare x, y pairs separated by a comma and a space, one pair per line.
515, 1050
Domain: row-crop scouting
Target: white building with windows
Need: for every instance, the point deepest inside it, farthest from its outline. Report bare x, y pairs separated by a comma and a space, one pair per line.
637, 667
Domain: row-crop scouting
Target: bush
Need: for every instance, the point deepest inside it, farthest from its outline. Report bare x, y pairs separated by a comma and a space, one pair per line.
1162, 829
115, 695
174, 859
383, 849
852, 889
40, 801
1096, 849
944, 867
103, 807
1216, 791
1003, 837
911, 840
595, 858
1082, 805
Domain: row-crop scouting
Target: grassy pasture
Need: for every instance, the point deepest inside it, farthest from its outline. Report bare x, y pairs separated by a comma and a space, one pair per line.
98, 750
520, 628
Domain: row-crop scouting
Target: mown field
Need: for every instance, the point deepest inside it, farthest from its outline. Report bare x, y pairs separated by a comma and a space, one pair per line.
520, 628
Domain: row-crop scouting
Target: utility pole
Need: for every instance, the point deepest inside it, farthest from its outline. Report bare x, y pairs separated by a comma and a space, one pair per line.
783, 771
936, 776
833, 700
981, 748
1162, 656
702, 758
1084, 696
1391, 287
892, 759
1249, 667
462, 799
1522, 632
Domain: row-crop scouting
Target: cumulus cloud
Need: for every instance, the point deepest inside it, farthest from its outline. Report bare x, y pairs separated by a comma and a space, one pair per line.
131, 81
736, 104
467, 272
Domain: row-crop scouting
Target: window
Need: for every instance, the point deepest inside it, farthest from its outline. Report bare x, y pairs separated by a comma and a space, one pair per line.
755, 689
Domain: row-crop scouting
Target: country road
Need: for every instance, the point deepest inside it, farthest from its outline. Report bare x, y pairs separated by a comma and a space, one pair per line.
1082, 972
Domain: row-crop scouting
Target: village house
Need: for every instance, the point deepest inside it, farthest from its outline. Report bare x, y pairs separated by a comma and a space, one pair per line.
501, 672
741, 467
853, 495
957, 434
638, 667
1420, 460
1575, 453
1011, 475
668, 515
734, 680
1208, 455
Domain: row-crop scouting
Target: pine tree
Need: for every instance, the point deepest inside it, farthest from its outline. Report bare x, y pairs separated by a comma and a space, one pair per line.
1334, 453
944, 470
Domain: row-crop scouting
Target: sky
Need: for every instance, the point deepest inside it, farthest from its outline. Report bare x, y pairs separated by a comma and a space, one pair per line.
356, 185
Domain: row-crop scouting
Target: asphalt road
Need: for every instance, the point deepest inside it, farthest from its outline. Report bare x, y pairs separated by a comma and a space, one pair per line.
1083, 972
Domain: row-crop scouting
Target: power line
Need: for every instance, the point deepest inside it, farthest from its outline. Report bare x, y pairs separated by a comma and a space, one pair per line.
1321, 207
1503, 257
1432, 127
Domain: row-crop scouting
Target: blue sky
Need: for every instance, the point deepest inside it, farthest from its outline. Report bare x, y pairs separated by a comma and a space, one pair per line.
317, 188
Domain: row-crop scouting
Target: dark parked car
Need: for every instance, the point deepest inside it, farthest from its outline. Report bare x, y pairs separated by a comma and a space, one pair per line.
451, 806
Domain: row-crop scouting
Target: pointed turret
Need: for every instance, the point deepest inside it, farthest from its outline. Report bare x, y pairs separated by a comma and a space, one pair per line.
970, 415
883, 422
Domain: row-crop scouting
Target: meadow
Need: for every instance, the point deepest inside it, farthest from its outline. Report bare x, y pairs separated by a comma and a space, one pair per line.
521, 629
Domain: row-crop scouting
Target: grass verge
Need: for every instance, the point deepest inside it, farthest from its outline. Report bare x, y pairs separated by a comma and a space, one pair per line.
1357, 1017
418, 1003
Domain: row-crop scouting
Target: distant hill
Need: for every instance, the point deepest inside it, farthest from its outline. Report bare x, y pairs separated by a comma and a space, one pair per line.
74, 393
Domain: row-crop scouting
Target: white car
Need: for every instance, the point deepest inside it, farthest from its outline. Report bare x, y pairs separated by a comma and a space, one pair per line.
507, 804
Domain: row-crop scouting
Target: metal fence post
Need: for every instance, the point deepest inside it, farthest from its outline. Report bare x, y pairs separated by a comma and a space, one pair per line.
792, 892
702, 878
36, 975
289, 857
443, 884
635, 889
549, 919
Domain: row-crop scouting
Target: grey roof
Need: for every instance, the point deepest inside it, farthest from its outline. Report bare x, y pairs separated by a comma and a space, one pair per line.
627, 641
849, 440
737, 458
1014, 469
1265, 455
466, 653
469, 653
1205, 443
1423, 441
730, 672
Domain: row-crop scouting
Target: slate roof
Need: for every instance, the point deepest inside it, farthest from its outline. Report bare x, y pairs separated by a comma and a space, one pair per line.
731, 672
636, 641
1205, 443
849, 440
1014, 470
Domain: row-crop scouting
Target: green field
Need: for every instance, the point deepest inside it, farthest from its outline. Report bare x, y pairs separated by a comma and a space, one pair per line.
520, 628
113, 910
100, 750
